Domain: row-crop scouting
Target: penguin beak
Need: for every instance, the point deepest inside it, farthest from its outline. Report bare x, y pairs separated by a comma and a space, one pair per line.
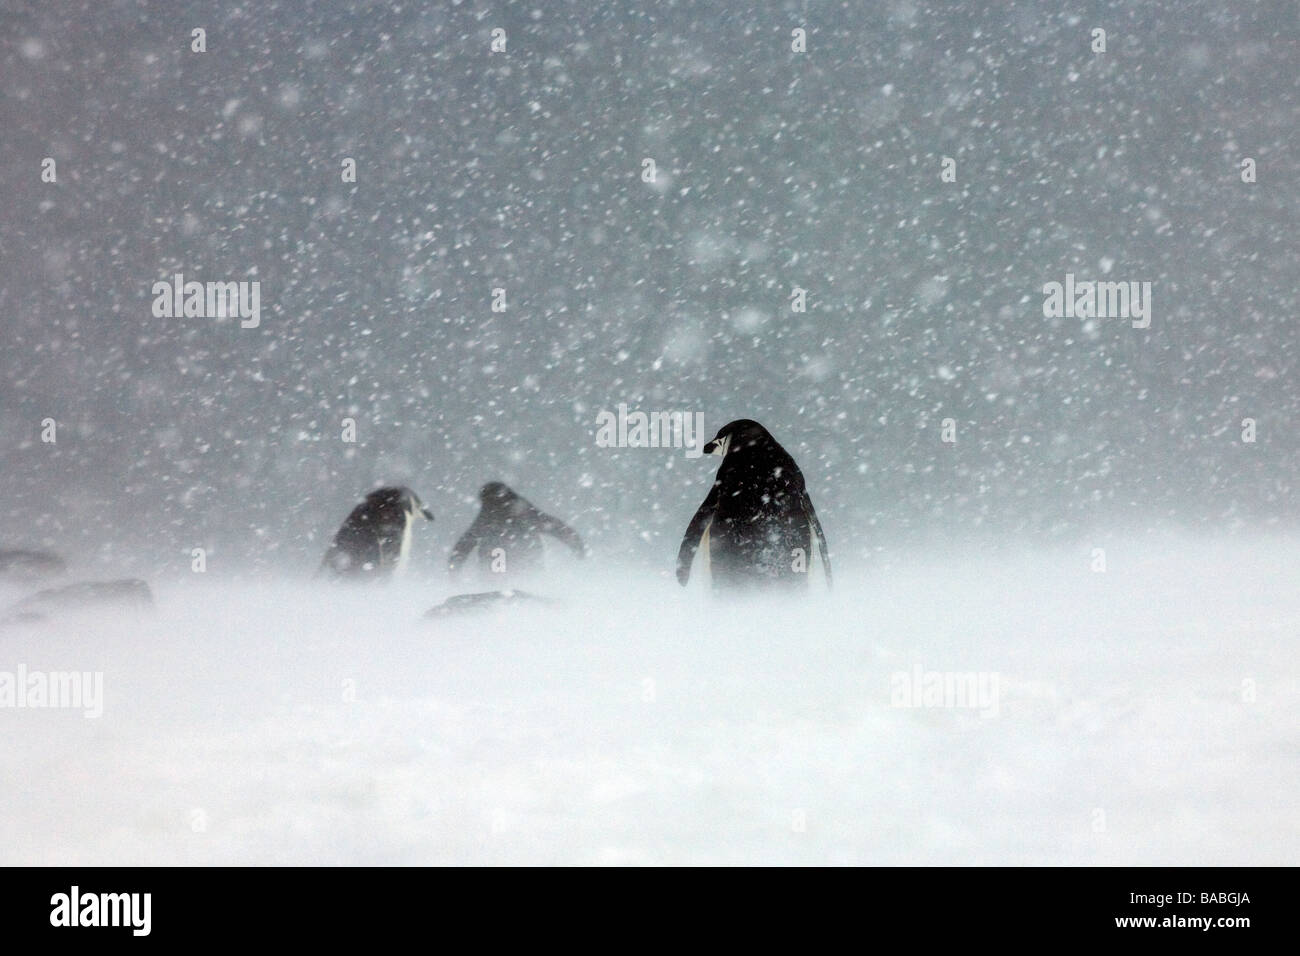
716, 447
427, 513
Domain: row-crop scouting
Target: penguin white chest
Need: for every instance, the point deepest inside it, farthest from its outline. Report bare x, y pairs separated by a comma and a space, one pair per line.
704, 557
404, 549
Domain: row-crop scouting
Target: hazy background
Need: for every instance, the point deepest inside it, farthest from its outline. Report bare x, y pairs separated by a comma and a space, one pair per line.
1147, 715
522, 170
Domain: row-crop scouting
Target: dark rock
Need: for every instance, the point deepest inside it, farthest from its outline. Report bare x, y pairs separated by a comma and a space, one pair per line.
21, 564
126, 592
484, 601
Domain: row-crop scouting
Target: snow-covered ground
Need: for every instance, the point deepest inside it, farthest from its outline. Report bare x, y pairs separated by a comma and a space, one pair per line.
1149, 714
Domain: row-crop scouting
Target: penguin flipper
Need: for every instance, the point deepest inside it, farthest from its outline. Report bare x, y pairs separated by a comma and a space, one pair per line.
466, 544
336, 562
695, 532
547, 524
816, 526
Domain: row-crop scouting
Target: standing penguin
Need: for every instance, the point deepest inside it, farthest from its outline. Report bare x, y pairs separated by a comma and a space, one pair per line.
508, 533
375, 540
756, 525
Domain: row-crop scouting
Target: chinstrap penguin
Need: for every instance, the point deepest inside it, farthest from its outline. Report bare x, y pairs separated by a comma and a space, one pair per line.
756, 526
376, 537
508, 533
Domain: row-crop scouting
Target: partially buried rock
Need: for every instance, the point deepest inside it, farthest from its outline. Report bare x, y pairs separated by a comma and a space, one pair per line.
23, 565
484, 601
124, 593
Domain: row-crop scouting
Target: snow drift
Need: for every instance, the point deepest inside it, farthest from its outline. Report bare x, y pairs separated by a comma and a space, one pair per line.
1144, 715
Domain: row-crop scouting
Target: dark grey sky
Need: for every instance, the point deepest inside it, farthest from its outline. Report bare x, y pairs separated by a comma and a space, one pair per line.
522, 170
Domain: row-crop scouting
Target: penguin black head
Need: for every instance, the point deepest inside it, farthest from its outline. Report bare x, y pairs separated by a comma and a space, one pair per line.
403, 498
494, 492
736, 436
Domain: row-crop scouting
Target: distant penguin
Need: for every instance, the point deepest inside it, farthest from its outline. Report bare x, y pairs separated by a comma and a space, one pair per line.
376, 537
756, 526
508, 533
